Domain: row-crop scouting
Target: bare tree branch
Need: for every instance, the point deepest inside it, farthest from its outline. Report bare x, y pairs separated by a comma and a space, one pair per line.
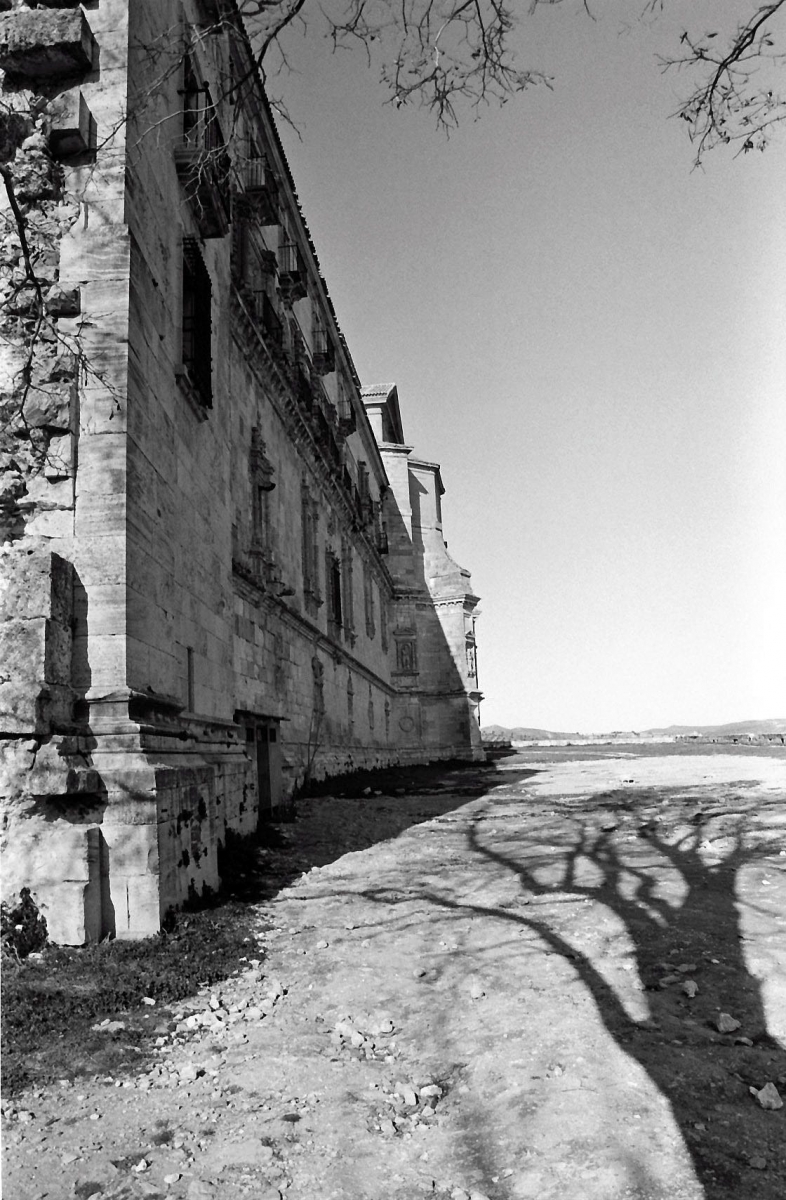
736, 100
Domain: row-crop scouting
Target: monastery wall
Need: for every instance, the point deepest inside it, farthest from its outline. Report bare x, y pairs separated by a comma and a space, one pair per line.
223, 572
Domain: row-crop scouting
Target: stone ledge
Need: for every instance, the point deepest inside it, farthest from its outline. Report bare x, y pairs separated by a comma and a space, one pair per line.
73, 130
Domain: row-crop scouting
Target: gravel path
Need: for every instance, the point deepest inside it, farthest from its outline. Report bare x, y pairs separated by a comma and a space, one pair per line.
522, 993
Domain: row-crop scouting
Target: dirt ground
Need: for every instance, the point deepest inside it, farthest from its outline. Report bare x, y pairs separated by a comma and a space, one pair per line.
564, 976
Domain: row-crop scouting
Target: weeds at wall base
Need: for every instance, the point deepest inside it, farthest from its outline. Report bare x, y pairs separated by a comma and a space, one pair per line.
22, 927
53, 996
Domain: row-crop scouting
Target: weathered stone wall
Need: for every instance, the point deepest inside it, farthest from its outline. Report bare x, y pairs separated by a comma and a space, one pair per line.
64, 276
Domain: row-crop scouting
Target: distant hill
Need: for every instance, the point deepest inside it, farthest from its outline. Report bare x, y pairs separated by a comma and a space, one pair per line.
735, 729
522, 733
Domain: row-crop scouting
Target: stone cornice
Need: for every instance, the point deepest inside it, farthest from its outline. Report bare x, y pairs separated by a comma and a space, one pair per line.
464, 600
272, 378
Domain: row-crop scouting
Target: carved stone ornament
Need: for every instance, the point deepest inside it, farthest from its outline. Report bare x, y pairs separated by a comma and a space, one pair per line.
262, 469
406, 656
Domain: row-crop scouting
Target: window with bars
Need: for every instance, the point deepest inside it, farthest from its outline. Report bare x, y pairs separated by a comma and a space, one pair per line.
201, 128
262, 484
364, 489
309, 520
196, 329
323, 355
333, 590
368, 596
347, 587
346, 413
201, 160
383, 621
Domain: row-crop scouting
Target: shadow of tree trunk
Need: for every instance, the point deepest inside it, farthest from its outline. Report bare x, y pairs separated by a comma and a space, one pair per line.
654, 868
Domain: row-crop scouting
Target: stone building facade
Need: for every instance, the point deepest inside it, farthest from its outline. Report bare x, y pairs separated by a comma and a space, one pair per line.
223, 571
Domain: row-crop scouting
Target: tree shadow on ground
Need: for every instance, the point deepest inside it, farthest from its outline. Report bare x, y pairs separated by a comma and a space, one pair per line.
670, 872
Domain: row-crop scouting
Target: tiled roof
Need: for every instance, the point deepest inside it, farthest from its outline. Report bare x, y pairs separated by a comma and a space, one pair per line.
377, 389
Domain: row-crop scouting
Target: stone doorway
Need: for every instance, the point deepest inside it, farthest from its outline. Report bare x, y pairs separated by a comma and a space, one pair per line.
263, 747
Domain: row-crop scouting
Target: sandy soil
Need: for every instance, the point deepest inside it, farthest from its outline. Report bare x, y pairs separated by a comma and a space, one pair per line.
569, 984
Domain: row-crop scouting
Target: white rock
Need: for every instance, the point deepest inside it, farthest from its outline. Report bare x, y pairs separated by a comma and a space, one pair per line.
726, 1023
200, 1189
769, 1097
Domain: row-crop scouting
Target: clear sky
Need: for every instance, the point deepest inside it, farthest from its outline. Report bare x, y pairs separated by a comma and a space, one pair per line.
590, 337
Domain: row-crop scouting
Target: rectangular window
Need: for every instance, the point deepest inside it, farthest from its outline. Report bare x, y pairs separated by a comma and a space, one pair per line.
364, 489
368, 596
260, 520
262, 484
346, 413
189, 679
347, 588
309, 520
201, 129
323, 356
333, 589
197, 352
193, 102
383, 621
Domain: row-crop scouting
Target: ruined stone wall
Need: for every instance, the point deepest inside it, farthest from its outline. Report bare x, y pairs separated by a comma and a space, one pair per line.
63, 274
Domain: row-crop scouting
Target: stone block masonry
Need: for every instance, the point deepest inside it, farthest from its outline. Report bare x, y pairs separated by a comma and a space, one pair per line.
223, 570
44, 45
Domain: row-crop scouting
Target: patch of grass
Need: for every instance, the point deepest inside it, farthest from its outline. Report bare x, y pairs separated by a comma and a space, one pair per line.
52, 999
